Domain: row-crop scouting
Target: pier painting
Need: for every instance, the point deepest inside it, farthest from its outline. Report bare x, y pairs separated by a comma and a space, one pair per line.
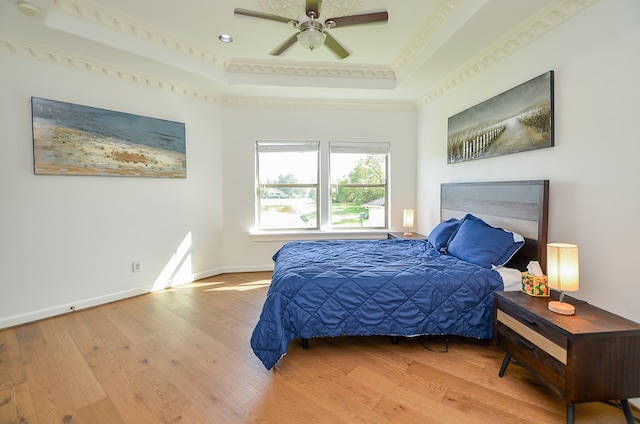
70, 139
517, 120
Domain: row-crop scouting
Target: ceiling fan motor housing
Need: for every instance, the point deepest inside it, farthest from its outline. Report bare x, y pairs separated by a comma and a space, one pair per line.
312, 27
311, 34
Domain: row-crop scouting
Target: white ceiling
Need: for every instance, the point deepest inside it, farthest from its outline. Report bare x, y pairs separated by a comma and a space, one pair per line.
426, 47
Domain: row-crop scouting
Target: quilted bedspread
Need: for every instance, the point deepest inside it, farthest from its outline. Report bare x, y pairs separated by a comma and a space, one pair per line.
371, 287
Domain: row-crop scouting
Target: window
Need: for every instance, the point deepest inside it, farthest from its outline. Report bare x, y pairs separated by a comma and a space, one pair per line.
287, 185
305, 186
359, 184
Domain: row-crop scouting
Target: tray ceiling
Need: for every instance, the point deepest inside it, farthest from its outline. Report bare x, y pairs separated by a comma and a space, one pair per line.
426, 48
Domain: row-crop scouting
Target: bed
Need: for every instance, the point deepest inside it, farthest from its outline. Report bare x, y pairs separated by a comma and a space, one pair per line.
405, 288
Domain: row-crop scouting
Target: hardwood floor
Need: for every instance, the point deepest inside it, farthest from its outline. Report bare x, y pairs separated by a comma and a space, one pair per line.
183, 355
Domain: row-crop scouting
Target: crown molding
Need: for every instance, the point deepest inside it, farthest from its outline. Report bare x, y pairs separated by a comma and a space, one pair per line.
316, 104
382, 77
114, 21
62, 58
425, 35
556, 14
57, 57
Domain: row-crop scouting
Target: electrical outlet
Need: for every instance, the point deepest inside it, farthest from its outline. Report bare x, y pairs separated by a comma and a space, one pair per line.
136, 266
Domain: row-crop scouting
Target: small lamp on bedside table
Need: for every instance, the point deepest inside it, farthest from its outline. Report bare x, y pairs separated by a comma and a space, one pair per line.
562, 273
407, 222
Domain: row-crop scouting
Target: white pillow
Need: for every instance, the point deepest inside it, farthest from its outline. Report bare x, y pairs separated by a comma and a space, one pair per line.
511, 278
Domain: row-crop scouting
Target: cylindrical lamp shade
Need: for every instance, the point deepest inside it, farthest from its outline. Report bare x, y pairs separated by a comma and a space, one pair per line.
563, 266
407, 218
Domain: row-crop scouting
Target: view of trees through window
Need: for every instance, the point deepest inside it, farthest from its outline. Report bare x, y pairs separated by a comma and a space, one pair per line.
288, 189
358, 199
287, 185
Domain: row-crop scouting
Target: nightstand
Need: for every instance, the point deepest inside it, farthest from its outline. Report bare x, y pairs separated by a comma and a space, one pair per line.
401, 236
590, 356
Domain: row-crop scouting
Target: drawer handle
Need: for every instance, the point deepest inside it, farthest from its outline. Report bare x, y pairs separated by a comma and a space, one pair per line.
527, 344
528, 321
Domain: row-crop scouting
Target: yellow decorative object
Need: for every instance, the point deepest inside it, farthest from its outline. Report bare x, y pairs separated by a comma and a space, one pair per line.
534, 285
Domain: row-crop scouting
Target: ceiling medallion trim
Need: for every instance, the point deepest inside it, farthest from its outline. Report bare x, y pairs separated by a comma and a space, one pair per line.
305, 70
61, 58
294, 8
551, 18
95, 14
426, 33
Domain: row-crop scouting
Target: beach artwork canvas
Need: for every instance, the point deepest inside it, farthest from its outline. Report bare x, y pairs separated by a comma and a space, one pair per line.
71, 139
517, 120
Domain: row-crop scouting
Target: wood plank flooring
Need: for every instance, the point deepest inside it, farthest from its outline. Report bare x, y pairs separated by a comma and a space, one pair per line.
183, 356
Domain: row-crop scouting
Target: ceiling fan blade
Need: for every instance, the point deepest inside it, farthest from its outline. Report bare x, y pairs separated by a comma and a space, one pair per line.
335, 47
365, 18
313, 6
254, 14
284, 45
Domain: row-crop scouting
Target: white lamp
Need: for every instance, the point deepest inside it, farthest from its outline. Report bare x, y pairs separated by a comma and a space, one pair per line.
562, 273
407, 222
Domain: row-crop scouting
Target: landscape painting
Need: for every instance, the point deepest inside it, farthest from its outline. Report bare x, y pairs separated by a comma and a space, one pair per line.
70, 139
515, 121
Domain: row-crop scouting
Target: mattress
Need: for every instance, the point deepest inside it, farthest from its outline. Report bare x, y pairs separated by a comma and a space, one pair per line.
371, 287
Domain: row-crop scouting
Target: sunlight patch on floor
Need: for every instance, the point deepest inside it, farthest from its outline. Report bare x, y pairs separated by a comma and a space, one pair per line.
224, 286
243, 286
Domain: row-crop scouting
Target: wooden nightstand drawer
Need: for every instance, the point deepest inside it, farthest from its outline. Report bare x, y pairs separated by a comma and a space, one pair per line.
536, 352
533, 338
529, 330
586, 357
535, 323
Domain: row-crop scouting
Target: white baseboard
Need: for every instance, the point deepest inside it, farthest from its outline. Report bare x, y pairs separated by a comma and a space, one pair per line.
69, 307
253, 268
12, 321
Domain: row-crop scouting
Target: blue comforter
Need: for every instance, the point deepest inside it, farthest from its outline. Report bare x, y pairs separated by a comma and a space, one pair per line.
371, 287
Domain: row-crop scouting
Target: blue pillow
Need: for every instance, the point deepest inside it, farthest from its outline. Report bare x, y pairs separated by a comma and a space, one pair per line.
441, 233
477, 242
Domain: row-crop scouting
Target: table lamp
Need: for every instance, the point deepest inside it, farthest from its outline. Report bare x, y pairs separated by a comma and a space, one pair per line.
407, 222
562, 274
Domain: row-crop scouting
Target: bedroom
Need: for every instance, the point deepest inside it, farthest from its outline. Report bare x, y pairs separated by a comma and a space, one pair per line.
71, 241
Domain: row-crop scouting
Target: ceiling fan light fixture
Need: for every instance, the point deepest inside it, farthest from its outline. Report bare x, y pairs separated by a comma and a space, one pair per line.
311, 38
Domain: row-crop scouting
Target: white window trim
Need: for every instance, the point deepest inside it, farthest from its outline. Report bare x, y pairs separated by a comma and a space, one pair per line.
275, 235
325, 231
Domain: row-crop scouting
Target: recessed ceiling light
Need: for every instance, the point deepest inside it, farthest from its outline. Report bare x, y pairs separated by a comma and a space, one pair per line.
225, 38
28, 8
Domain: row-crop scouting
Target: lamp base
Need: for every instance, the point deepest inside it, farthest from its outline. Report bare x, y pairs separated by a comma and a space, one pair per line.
408, 234
562, 308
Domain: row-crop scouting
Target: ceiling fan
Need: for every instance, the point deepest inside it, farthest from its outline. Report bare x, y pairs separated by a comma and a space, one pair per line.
312, 27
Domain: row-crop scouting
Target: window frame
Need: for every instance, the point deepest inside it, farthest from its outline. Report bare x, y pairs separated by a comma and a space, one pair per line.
286, 146
323, 188
361, 148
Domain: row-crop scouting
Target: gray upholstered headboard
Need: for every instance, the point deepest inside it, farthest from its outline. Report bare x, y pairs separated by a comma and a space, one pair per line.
519, 206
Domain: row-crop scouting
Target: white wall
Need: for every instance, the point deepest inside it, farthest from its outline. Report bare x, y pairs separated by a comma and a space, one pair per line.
70, 240
243, 125
593, 168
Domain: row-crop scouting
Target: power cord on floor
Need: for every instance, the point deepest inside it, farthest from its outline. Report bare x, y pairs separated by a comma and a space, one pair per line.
445, 350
